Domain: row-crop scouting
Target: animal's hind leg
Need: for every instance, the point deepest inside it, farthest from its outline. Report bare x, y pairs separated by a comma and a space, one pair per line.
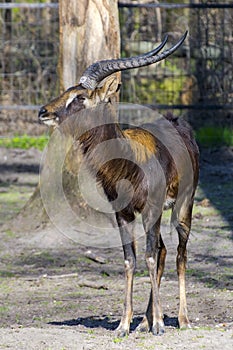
126, 232
183, 228
146, 323
153, 319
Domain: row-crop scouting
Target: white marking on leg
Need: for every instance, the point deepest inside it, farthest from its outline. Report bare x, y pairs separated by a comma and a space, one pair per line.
126, 263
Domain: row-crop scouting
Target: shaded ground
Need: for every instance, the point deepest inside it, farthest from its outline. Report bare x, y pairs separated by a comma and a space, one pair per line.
52, 296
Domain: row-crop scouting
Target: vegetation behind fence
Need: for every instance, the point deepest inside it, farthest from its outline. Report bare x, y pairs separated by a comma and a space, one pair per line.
28, 54
198, 77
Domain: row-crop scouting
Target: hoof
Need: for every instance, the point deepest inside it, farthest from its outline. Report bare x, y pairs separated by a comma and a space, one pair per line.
121, 332
184, 323
158, 329
184, 326
143, 327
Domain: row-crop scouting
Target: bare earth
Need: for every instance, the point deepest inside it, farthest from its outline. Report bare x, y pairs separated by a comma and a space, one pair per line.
53, 296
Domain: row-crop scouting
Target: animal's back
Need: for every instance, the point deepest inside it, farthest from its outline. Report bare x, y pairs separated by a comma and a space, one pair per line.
185, 131
175, 136
177, 153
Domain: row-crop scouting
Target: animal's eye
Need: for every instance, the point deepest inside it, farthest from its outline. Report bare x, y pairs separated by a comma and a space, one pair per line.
80, 98
74, 99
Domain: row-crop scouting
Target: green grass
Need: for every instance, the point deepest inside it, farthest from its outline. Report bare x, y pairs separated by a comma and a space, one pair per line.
211, 136
24, 142
208, 136
117, 340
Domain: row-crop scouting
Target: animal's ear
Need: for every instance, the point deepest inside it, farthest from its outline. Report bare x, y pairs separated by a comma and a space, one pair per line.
108, 87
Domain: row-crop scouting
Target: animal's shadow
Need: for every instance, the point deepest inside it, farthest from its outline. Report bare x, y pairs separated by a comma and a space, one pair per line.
106, 323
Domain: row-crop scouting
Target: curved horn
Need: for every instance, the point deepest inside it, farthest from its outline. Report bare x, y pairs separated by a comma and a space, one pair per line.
101, 69
155, 51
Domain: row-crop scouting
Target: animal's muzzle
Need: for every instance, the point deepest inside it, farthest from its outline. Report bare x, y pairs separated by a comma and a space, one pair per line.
42, 113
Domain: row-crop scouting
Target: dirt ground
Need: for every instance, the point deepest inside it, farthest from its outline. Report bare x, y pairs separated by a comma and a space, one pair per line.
54, 296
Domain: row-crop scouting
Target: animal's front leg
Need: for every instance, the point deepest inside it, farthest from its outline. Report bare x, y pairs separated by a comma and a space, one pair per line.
156, 311
130, 264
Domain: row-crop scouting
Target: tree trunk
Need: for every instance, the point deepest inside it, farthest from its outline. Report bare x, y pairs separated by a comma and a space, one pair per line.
89, 31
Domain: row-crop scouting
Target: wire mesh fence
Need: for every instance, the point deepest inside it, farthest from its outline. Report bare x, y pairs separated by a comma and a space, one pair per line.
200, 73
198, 76
28, 53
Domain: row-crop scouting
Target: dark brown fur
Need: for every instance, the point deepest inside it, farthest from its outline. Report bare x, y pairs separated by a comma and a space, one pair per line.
160, 161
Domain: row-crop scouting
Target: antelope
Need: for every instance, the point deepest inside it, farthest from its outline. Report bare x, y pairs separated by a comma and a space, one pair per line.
157, 170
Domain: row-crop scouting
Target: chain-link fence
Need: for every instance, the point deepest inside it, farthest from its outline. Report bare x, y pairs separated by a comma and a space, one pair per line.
198, 77
199, 74
28, 53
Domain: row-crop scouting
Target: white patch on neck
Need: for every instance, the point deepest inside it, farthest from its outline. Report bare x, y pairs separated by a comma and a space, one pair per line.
50, 122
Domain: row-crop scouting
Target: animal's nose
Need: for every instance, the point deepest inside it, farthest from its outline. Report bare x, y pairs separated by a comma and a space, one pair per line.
42, 112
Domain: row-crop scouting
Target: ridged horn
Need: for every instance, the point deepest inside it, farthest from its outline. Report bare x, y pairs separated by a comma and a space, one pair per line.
96, 72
